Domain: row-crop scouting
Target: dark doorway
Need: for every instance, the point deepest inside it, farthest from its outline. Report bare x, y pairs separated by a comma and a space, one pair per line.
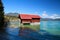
26, 23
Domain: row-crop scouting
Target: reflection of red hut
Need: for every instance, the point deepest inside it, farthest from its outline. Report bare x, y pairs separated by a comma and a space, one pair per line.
29, 19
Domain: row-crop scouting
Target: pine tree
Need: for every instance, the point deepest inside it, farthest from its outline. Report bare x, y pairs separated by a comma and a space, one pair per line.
1, 15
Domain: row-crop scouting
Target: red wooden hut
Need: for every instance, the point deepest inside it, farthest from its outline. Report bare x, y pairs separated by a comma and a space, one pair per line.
28, 18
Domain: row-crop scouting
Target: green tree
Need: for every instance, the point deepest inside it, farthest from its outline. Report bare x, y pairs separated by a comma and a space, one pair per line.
1, 15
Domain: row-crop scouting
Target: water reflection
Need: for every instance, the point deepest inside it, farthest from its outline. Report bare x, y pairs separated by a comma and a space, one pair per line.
14, 31
25, 34
28, 34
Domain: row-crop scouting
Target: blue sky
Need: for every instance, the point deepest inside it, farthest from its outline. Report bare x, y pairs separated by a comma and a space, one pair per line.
44, 8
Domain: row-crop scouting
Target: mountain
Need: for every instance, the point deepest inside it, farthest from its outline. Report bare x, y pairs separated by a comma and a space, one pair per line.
12, 14
49, 19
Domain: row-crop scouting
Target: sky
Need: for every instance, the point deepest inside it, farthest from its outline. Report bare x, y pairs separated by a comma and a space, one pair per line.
44, 8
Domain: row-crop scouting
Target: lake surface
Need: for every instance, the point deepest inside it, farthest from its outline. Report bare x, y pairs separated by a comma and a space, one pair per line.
49, 30
53, 27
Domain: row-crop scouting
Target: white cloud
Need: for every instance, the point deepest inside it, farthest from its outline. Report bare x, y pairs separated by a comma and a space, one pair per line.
57, 17
53, 16
44, 15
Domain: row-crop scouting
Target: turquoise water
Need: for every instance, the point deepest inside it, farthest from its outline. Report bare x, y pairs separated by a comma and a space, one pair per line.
46, 29
53, 27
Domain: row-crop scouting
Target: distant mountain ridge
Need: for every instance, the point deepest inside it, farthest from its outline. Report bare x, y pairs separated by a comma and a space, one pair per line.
50, 19
12, 14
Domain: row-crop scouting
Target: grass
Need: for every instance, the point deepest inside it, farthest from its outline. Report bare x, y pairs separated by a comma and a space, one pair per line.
34, 27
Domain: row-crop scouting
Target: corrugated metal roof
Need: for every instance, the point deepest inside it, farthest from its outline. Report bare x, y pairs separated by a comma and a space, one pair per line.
27, 16
35, 16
